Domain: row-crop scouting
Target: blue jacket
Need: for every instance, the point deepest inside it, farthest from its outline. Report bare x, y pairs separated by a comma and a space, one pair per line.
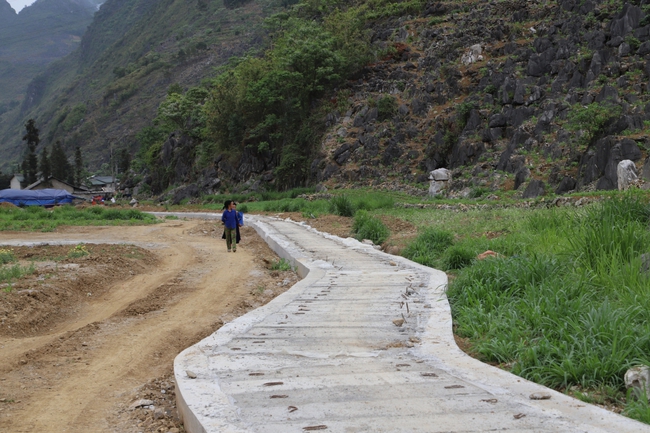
240, 218
229, 218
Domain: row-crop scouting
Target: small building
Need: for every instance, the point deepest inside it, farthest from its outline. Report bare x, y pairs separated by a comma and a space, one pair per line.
54, 183
17, 182
103, 183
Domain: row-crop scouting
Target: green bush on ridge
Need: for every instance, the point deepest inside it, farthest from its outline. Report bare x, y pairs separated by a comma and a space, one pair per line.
429, 246
366, 226
342, 205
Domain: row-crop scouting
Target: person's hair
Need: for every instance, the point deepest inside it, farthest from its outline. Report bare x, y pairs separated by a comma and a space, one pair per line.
226, 204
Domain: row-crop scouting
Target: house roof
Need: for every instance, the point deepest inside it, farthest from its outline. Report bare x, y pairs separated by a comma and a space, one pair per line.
38, 182
102, 180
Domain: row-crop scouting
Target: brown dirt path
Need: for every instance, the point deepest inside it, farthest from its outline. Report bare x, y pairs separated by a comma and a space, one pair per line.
81, 374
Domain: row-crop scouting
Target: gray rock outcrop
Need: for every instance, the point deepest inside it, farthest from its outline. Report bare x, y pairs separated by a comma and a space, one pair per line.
626, 173
439, 179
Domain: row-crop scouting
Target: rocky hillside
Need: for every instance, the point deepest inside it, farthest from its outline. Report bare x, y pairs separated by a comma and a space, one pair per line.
533, 96
40, 34
529, 96
108, 89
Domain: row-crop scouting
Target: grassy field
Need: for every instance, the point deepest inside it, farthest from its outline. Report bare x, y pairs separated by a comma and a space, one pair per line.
37, 218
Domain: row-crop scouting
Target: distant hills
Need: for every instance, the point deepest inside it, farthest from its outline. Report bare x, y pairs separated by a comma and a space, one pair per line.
118, 70
38, 35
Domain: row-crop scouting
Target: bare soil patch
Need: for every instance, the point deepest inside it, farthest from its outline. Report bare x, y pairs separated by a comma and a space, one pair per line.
75, 362
60, 286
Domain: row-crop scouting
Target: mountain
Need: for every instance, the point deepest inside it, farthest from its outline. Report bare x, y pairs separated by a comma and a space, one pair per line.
7, 13
105, 91
528, 98
43, 32
531, 97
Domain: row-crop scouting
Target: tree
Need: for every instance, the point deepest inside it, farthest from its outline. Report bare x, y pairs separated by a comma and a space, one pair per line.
44, 165
59, 162
124, 161
183, 112
5, 180
30, 165
78, 166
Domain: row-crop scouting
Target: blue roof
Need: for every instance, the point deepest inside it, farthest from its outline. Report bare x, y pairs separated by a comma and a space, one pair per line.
41, 197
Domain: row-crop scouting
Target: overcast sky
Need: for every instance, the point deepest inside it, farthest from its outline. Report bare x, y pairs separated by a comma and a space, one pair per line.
19, 4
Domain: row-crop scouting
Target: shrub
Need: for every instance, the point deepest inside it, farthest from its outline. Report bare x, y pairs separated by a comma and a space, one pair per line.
6, 256
369, 227
386, 107
463, 111
478, 191
457, 257
592, 119
427, 248
78, 251
281, 265
342, 205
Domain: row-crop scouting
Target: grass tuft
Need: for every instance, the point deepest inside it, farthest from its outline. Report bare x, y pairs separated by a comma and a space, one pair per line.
429, 246
281, 265
342, 205
366, 226
6, 256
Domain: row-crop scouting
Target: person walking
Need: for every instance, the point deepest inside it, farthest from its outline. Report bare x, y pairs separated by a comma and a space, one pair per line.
229, 219
240, 220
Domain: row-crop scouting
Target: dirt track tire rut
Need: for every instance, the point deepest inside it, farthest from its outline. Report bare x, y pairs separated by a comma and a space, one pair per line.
82, 375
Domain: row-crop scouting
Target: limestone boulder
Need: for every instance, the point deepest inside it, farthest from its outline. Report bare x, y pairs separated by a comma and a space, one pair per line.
637, 378
440, 179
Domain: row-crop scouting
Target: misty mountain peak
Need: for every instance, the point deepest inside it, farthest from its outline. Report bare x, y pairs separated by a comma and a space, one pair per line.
7, 13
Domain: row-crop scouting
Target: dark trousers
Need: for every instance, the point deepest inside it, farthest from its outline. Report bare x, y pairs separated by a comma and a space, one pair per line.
231, 238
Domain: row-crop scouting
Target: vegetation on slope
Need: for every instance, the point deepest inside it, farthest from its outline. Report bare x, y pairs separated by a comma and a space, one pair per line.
102, 94
41, 33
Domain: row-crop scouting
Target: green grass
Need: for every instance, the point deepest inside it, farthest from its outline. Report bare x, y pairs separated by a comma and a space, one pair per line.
366, 226
566, 304
6, 256
281, 265
342, 205
216, 201
78, 251
8, 274
36, 218
429, 246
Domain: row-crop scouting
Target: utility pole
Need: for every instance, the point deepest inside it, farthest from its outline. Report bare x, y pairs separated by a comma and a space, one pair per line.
113, 170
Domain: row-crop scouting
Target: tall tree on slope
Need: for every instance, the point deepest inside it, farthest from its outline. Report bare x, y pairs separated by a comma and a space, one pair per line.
30, 164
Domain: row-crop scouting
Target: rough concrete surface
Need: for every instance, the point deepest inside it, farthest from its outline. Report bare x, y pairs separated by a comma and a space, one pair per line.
363, 343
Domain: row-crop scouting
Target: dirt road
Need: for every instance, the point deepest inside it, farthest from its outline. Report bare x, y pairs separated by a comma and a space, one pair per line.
80, 372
